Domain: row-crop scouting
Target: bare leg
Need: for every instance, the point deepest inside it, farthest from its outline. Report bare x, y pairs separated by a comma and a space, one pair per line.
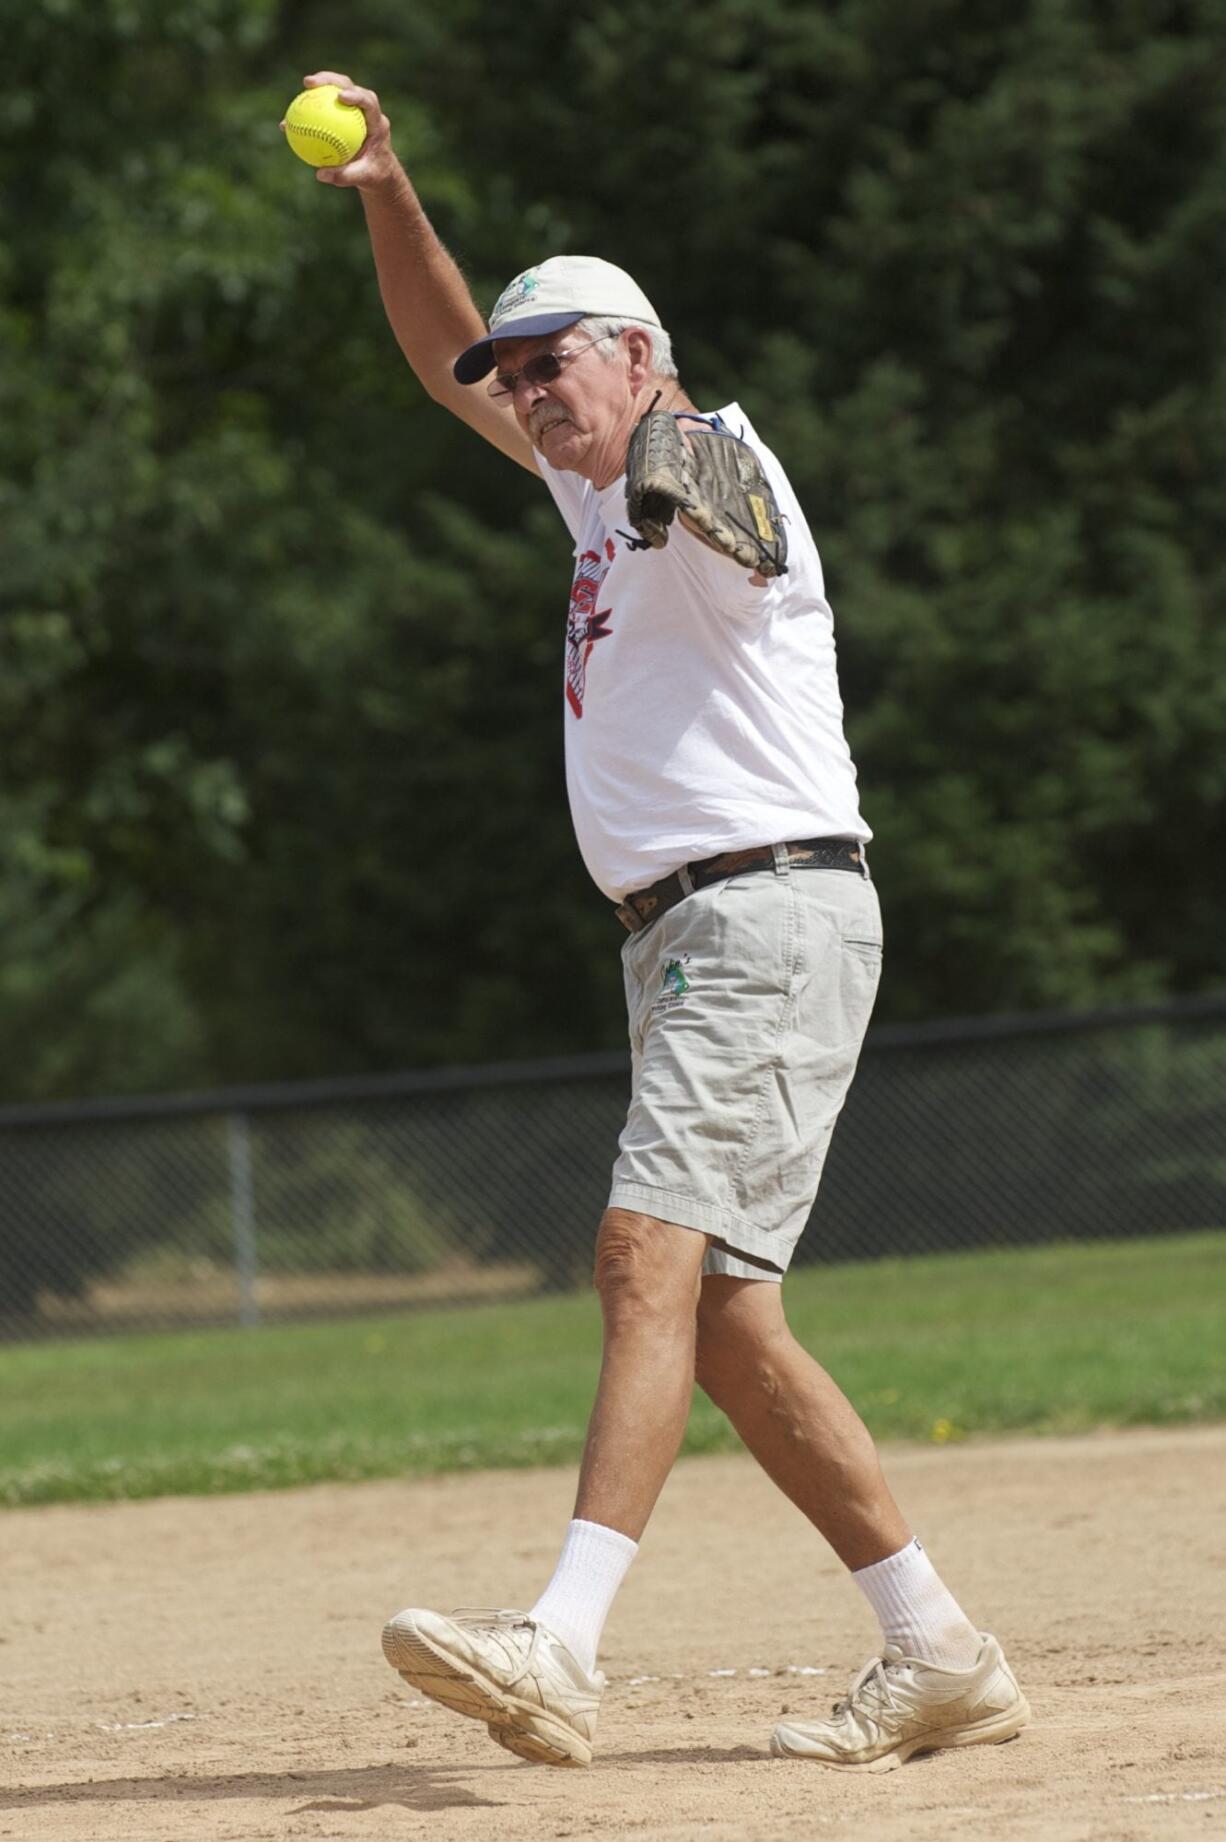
796, 1421
647, 1274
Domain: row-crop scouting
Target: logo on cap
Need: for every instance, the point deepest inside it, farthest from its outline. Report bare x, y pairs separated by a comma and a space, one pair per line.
514, 295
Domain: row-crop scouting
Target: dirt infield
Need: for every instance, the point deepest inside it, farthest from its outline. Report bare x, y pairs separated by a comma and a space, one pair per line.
211, 1669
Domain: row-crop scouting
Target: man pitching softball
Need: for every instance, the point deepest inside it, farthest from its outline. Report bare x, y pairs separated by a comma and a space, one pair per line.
714, 801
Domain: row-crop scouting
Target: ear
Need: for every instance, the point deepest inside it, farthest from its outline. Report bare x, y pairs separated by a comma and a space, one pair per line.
638, 350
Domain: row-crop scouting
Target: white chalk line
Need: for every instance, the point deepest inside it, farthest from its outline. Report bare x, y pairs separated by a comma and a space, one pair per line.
142, 1726
789, 1669
1176, 1797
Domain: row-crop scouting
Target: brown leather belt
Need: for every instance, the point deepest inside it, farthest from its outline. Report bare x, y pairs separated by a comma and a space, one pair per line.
643, 906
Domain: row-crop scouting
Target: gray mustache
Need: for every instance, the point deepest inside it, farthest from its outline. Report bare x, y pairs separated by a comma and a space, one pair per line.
541, 424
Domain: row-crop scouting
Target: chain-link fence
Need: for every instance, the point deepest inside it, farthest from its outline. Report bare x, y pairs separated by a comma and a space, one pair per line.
336, 1197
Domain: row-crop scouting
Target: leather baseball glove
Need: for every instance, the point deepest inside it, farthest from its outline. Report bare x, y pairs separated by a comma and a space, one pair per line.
715, 479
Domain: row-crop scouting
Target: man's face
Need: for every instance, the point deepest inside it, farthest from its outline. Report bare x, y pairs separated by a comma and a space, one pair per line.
581, 422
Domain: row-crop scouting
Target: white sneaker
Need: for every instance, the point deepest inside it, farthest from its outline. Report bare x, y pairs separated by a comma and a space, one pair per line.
505, 1669
898, 1706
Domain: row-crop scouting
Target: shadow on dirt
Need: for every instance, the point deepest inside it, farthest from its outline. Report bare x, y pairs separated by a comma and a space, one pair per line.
363, 1788
421, 1787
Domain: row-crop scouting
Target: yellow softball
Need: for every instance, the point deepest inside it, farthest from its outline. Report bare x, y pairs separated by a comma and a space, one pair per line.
322, 130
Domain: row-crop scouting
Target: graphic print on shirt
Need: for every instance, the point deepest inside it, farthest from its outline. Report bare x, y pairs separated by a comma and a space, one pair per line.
585, 624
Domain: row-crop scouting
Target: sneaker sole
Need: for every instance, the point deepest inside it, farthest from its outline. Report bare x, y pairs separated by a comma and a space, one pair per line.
991, 1732
522, 1727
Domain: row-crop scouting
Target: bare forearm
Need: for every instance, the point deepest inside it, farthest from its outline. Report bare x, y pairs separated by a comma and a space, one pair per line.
426, 297
424, 294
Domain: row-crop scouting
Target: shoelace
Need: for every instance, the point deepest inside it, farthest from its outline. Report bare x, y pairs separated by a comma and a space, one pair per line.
485, 1618
873, 1677
488, 1615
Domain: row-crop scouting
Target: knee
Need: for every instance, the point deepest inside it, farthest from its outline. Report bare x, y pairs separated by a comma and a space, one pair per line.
642, 1270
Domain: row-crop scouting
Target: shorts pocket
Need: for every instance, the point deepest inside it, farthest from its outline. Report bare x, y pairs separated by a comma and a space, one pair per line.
868, 950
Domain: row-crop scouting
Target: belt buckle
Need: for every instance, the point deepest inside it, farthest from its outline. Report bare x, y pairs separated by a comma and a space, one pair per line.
638, 910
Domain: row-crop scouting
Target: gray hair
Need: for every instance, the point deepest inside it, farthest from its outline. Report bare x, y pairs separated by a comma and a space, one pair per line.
595, 326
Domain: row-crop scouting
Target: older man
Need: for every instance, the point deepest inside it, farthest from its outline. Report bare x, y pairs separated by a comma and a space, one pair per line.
714, 800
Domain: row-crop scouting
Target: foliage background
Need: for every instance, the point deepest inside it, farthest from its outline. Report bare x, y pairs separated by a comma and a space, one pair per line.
281, 789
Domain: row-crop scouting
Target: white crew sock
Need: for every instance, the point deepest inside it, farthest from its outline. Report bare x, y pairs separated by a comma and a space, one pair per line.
592, 1565
917, 1612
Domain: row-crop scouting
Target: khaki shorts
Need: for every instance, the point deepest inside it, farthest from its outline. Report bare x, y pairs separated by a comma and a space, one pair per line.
748, 1003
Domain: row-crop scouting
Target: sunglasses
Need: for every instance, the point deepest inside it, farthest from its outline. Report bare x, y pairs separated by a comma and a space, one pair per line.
545, 368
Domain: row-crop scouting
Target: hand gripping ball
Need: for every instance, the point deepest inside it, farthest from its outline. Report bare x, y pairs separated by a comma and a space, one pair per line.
322, 130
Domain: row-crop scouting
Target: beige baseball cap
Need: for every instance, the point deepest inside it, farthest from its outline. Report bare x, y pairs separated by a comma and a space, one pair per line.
551, 296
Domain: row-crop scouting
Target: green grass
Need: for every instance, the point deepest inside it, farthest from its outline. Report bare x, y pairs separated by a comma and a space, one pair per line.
1052, 1339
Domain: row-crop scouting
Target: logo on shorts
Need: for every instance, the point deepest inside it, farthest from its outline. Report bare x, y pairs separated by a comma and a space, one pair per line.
673, 984
674, 978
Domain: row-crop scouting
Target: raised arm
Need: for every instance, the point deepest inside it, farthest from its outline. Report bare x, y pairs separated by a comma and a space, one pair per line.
426, 297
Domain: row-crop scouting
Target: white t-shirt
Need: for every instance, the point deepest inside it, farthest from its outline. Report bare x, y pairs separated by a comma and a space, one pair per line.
702, 714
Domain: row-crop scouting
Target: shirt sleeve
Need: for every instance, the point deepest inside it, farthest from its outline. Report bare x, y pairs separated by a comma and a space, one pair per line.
719, 578
726, 584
